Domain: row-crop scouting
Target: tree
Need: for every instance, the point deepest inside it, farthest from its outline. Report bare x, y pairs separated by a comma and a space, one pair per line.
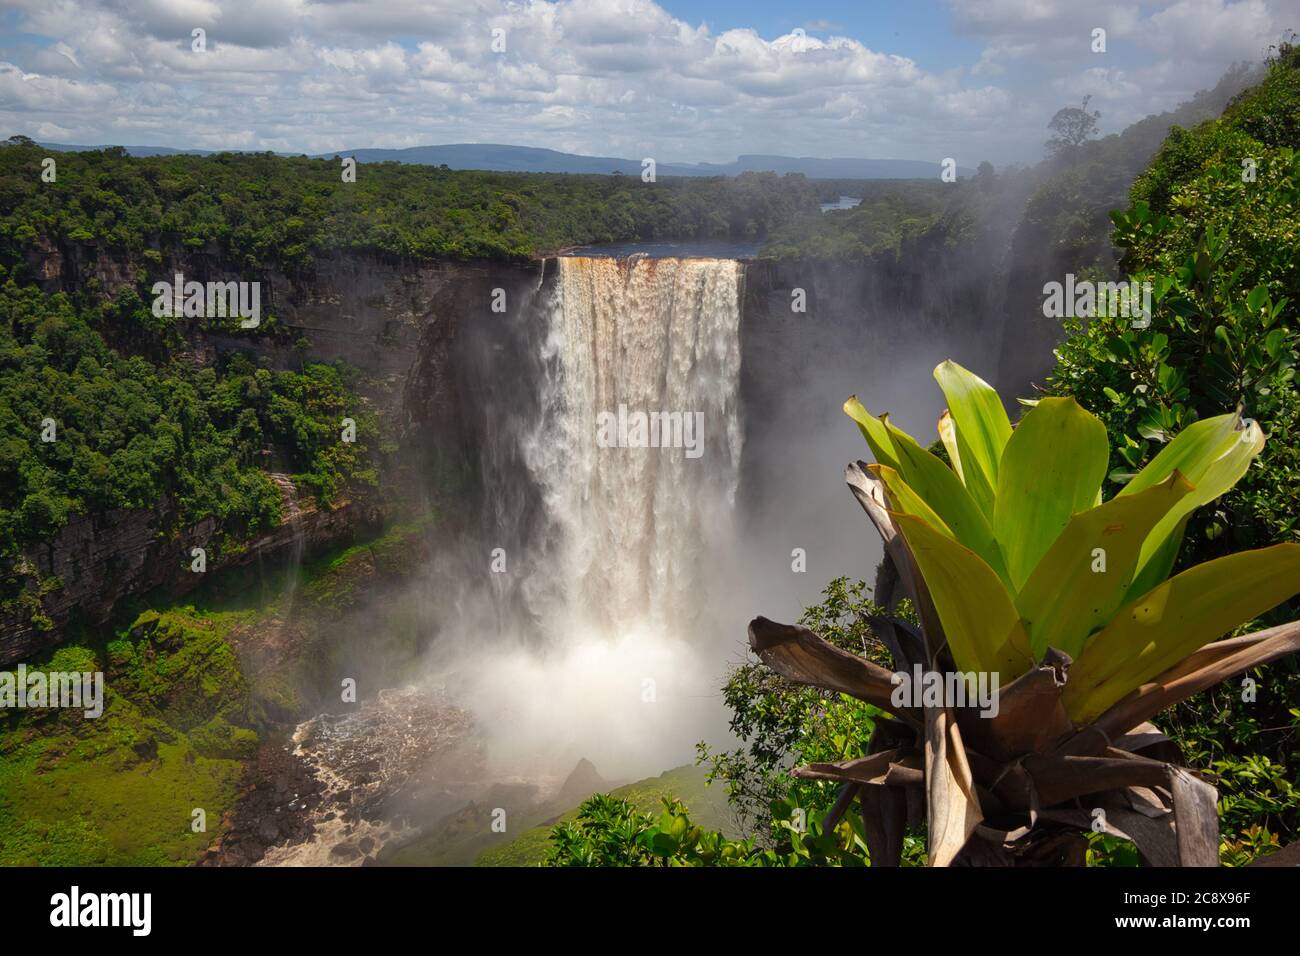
1071, 126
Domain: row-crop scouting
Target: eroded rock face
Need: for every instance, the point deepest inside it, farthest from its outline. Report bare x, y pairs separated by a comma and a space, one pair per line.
96, 561
445, 372
410, 328
383, 315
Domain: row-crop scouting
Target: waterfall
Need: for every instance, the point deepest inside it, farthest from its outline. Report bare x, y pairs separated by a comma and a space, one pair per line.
291, 511
629, 533
600, 639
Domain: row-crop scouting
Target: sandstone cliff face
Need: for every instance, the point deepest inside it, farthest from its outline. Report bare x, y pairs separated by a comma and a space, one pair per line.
870, 328
446, 373
409, 328
96, 561
380, 314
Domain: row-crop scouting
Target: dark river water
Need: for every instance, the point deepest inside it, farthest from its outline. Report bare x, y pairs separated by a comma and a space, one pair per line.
844, 202
674, 249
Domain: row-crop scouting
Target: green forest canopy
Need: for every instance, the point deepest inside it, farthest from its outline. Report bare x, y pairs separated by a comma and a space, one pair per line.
264, 210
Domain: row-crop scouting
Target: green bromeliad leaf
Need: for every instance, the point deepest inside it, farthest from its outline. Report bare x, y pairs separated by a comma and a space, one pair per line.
982, 429
902, 498
948, 435
1018, 553
1176, 618
1190, 452
1051, 469
1083, 579
979, 621
939, 485
873, 430
1212, 454
1156, 567
975, 533
973, 477
931, 480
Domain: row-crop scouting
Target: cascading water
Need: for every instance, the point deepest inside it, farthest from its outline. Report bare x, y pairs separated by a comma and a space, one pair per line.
630, 529
614, 654
598, 635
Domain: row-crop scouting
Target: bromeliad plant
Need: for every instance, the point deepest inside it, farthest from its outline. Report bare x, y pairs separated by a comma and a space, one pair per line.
1016, 567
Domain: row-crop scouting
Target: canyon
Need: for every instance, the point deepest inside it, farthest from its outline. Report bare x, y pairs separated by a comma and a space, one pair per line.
631, 572
446, 374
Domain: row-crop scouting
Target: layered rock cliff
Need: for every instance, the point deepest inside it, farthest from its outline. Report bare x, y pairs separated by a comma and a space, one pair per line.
411, 329
448, 353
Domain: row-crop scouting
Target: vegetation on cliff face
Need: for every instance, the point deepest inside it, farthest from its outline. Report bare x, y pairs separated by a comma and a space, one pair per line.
263, 210
138, 421
1218, 242
189, 691
87, 427
1217, 239
127, 431
121, 789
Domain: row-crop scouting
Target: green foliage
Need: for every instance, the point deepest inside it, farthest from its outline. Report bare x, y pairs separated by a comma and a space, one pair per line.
1011, 571
1251, 748
178, 665
1221, 255
892, 213
1071, 126
132, 433
609, 831
118, 790
687, 785
782, 724
1065, 224
181, 716
1107, 850
263, 210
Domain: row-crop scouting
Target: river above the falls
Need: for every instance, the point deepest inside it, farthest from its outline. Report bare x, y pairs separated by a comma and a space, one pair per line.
673, 249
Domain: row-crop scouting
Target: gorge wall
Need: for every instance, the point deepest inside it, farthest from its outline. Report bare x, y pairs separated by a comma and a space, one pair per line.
398, 323
875, 329
445, 373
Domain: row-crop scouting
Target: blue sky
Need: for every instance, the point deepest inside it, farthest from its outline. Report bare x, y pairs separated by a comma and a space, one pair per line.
679, 80
920, 30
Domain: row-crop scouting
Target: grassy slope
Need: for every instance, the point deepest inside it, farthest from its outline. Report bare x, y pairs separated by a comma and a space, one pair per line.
176, 728
120, 790
708, 809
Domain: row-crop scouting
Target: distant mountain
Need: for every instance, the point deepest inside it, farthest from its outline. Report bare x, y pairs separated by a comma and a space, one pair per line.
529, 159
133, 150
499, 158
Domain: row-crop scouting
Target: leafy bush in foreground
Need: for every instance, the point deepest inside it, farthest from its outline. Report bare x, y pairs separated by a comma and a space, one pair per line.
1022, 572
611, 832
